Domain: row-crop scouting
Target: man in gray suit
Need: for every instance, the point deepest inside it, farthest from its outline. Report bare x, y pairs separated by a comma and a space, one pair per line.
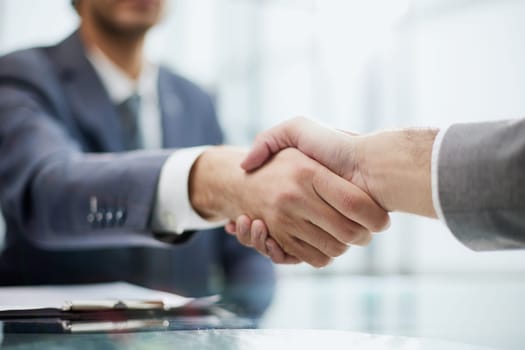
89, 195
470, 176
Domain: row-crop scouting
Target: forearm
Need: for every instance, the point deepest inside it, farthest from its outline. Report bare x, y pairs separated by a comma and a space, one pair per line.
396, 167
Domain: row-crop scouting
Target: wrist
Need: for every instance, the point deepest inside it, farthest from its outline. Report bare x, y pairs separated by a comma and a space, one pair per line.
212, 182
396, 166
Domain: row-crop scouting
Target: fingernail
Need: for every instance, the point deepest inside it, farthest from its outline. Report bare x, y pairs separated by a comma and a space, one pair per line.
243, 227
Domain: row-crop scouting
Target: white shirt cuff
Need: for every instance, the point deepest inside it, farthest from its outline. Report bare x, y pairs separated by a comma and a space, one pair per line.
173, 211
435, 174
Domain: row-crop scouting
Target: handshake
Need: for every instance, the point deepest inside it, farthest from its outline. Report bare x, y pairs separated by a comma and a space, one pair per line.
306, 192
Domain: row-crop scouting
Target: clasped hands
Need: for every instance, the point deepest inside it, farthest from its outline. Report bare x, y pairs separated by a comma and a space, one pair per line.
317, 204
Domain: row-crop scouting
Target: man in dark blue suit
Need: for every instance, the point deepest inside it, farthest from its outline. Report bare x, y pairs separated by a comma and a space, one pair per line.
79, 200
101, 178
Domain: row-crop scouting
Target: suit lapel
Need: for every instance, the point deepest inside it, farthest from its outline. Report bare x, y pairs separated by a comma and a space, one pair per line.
91, 105
172, 112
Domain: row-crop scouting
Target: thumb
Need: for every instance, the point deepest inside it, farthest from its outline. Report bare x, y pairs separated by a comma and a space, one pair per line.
271, 142
258, 155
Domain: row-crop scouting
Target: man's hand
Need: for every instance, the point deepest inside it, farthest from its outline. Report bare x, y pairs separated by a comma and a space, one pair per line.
333, 148
392, 166
311, 212
330, 147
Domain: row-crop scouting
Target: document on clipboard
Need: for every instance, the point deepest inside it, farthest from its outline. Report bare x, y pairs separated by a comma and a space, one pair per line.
53, 301
108, 308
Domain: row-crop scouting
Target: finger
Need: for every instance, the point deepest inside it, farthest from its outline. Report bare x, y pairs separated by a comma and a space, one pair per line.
259, 153
308, 243
243, 224
278, 255
259, 235
306, 252
322, 240
230, 227
350, 200
265, 245
332, 221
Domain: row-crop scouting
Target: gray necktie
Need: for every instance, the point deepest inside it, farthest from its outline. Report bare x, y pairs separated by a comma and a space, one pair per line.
129, 112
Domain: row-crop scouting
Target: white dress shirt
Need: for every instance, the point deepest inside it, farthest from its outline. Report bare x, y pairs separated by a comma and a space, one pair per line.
173, 211
434, 174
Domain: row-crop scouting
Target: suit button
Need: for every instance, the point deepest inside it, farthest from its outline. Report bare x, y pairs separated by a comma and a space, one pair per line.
91, 218
109, 218
120, 216
99, 218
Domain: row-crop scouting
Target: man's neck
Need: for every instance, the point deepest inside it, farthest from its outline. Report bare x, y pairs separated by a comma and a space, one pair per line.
125, 52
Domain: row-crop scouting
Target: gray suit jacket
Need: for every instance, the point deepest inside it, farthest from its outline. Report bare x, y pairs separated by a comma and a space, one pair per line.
61, 146
482, 183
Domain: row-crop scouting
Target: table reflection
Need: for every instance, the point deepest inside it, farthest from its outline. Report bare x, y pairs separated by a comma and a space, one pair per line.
230, 340
482, 310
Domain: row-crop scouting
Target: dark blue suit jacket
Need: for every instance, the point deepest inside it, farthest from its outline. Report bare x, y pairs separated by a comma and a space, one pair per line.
61, 145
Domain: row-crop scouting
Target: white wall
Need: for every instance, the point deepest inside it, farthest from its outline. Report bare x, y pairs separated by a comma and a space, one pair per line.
463, 62
26, 22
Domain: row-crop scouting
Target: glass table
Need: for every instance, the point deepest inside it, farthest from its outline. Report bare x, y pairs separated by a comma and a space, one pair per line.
228, 339
335, 312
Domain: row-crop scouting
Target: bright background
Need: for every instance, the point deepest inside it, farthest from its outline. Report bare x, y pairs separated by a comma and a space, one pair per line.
358, 65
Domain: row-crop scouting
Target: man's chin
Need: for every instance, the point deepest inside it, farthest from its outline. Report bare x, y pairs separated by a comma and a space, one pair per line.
136, 21
134, 29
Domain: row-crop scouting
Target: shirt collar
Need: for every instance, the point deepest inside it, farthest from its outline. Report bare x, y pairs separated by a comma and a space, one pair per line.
118, 83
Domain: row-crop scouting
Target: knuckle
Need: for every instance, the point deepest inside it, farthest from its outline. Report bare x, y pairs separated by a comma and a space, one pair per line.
303, 172
287, 197
350, 202
323, 244
297, 164
261, 138
296, 121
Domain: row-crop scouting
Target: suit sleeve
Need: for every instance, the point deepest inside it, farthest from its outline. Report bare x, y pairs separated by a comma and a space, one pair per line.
481, 184
62, 198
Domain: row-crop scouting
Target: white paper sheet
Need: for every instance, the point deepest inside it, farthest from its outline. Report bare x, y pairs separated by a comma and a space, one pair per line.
57, 297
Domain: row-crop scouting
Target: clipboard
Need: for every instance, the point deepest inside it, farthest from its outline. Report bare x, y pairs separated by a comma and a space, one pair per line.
96, 302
